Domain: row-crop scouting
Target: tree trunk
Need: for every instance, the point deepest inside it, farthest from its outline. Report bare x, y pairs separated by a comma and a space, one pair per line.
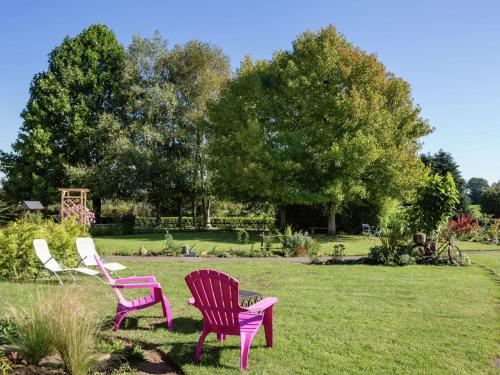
205, 204
193, 205
179, 213
282, 218
332, 226
96, 205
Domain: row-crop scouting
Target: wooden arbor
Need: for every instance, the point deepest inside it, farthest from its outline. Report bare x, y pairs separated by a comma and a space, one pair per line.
71, 198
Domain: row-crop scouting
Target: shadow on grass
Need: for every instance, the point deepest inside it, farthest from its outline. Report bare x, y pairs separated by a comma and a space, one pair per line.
182, 325
182, 353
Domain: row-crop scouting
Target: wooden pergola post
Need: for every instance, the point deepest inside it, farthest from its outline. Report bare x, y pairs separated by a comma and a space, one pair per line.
70, 198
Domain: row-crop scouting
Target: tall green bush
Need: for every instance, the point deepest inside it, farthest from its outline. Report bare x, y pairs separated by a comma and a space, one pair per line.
17, 255
434, 203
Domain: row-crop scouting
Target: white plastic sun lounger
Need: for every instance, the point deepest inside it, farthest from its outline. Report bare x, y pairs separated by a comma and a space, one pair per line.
86, 250
49, 263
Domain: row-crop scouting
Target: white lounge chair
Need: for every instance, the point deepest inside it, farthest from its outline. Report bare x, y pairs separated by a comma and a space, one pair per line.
49, 263
86, 250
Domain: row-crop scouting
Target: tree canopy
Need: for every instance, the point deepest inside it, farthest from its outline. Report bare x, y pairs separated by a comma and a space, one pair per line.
490, 200
82, 83
323, 123
476, 186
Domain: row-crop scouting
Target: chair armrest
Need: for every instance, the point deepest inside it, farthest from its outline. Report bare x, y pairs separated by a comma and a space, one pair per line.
191, 301
262, 305
136, 286
151, 279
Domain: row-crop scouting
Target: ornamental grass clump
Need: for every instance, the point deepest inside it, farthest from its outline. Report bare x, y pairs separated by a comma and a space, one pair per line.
56, 323
32, 336
74, 328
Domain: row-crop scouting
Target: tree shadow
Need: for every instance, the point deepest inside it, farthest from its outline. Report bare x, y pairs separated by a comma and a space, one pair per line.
182, 325
183, 354
187, 325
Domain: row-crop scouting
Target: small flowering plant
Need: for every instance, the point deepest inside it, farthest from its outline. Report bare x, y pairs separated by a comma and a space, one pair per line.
88, 216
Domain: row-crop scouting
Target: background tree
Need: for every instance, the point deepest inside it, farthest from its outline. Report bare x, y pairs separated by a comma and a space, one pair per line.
324, 123
443, 163
82, 83
476, 187
490, 200
160, 147
198, 71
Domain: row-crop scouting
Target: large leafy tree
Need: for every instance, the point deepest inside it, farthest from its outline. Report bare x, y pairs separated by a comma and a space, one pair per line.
324, 123
442, 163
81, 84
490, 200
476, 186
198, 71
160, 147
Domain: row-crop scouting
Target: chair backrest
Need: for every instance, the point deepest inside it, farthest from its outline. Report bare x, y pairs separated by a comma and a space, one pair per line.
216, 294
43, 254
109, 279
86, 250
365, 228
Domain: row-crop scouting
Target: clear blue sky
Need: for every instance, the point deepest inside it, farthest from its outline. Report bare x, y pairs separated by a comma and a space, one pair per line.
449, 51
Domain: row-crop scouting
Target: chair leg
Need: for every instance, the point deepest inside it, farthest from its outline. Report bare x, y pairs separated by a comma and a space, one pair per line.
100, 280
245, 342
132, 272
221, 337
167, 313
121, 313
38, 273
58, 278
201, 340
268, 326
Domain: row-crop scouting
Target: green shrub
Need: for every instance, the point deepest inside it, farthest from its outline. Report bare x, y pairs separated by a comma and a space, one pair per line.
242, 235
338, 254
17, 255
299, 244
169, 246
435, 201
400, 255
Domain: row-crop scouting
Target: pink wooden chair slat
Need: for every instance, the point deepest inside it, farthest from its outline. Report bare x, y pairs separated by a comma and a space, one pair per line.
125, 306
215, 310
226, 300
217, 289
216, 295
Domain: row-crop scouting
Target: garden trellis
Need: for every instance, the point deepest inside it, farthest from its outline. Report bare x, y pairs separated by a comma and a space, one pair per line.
72, 198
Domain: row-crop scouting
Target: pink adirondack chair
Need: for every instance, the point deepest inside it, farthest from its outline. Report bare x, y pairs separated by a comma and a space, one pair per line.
216, 295
125, 306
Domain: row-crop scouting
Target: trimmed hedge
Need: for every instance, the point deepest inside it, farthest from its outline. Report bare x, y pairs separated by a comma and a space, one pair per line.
221, 222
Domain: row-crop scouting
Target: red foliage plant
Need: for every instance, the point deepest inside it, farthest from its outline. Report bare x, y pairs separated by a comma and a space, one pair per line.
463, 224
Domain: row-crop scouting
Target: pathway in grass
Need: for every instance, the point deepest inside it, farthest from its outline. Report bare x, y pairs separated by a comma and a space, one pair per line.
329, 319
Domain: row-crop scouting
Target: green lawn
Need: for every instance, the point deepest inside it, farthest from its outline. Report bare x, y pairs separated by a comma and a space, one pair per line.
207, 241
330, 319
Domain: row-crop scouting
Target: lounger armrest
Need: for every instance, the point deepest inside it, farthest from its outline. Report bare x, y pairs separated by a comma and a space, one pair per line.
136, 286
262, 305
151, 279
191, 301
